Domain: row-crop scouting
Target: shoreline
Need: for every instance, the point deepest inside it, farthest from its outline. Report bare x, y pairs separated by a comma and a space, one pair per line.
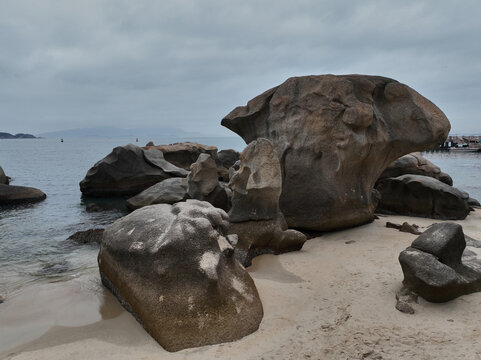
331, 300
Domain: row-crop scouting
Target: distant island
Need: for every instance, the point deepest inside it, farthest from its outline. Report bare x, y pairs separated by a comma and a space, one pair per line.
5, 135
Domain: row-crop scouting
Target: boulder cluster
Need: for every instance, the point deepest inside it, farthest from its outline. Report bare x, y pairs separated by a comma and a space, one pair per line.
323, 153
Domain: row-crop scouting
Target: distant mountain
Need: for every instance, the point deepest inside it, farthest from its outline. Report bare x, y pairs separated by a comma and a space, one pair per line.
111, 132
4, 135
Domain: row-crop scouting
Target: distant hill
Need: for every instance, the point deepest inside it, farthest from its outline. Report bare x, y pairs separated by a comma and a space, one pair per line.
4, 135
111, 132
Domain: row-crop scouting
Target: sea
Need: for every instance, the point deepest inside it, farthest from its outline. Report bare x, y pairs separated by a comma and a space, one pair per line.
33, 246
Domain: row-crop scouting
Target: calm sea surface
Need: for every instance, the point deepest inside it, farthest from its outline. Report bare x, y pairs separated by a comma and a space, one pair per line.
32, 237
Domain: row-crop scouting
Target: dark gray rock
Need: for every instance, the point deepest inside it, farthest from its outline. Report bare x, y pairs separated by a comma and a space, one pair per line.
334, 135
437, 266
228, 157
127, 170
4, 179
473, 202
424, 196
255, 216
12, 195
445, 241
168, 191
173, 267
91, 236
415, 164
405, 227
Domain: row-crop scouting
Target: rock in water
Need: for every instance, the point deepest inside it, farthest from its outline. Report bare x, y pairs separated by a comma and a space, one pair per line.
334, 136
128, 170
12, 195
173, 267
168, 191
4, 179
437, 267
91, 236
255, 216
417, 195
415, 164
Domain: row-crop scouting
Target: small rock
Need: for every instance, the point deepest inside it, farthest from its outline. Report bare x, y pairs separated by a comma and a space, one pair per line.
350, 242
91, 236
150, 143
2, 299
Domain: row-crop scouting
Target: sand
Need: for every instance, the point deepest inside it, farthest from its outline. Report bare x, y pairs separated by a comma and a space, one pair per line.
334, 299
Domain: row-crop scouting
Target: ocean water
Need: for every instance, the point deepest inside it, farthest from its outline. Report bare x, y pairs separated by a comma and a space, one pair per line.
32, 237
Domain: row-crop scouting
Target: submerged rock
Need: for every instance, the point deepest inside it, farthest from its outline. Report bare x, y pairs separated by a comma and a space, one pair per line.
437, 267
334, 135
424, 196
173, 267
255, 216
415, 164
12, 195
128, 170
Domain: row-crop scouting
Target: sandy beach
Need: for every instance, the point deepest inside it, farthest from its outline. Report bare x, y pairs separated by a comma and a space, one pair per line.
334, 299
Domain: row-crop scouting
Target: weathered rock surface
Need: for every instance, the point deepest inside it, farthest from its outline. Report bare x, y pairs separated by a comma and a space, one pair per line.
11, 195
185, 154
168, 191
334, 136
128, 170
203, 183
173, 267
4, 179
91, 236
255, 216
424, 196
415, 164
437, 266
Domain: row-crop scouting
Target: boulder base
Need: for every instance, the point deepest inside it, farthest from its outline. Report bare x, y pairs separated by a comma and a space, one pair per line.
334, 135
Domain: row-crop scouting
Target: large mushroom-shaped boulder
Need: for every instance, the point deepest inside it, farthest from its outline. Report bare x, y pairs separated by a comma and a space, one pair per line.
13, 195
334, 135
438, 266
415, 164
173, 267
128, 170
417, 195
255, 216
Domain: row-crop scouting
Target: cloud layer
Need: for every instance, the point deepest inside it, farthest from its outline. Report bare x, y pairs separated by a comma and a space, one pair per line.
67, 64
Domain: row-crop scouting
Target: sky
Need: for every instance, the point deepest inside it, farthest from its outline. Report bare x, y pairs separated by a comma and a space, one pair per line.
177, 63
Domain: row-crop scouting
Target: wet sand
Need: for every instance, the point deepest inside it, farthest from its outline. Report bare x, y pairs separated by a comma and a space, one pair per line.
334, 299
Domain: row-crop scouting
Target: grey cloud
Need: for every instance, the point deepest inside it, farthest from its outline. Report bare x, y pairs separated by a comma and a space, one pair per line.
68, 64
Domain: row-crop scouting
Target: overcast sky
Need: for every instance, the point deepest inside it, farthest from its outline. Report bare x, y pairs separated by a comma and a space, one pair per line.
153, 63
